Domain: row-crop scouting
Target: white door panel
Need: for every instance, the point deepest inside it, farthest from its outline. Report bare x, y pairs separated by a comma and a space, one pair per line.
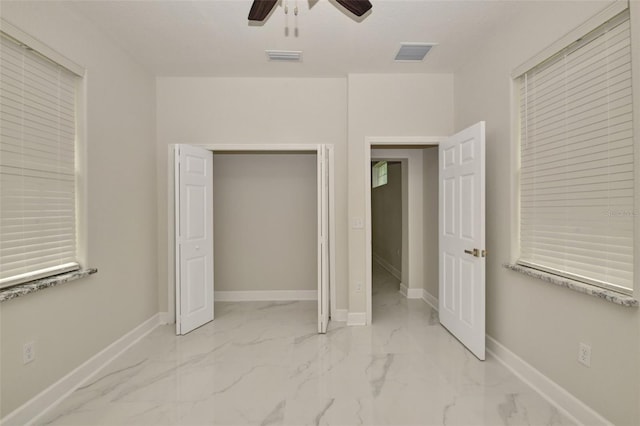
462, 237
323, 239
194, 237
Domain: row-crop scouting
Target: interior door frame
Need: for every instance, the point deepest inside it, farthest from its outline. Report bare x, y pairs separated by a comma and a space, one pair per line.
369, 143
171, 300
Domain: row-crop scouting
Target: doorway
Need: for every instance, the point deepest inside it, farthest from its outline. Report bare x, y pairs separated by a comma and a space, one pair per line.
388, 208
388, 234
410, 257
461, 254
193, 285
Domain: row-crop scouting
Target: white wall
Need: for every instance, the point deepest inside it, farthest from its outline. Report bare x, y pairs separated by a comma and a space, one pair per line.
252, 111
265, 221
387, 105
541, 323
74, 321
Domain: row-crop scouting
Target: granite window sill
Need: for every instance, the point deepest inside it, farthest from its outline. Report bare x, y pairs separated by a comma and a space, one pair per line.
591, 290
37, 285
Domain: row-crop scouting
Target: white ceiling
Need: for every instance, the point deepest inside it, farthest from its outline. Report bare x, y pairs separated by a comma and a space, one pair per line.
214, 37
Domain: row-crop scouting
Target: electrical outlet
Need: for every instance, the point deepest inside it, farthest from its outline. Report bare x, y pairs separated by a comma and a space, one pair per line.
29, 352
358, 286
584, 354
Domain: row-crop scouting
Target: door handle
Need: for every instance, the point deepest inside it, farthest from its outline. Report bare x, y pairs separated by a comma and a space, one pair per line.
475, 252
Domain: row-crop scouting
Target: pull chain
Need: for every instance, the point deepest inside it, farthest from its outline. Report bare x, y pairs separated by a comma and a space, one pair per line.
296, 32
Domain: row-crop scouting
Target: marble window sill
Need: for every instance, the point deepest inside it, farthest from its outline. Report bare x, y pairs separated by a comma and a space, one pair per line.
41, 284
591, 290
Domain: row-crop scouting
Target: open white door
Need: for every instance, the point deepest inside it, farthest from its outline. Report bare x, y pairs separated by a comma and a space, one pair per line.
462, 237
323, 238
194, 237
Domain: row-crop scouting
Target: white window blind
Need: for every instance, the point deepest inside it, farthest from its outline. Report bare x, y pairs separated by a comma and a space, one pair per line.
577, 160
37, 165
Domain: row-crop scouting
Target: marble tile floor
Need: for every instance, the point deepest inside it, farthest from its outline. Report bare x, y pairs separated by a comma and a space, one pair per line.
262, 363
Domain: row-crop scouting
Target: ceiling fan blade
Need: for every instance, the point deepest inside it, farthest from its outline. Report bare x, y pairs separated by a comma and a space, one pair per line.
260, 9
357, 7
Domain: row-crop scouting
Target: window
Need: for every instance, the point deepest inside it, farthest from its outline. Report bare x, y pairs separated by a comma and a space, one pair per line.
37, 165
379, 174
577, 160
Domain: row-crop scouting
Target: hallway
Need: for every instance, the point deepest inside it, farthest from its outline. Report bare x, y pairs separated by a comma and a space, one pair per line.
263, 363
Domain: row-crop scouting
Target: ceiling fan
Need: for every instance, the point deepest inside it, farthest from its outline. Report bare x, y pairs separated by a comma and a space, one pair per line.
260, 9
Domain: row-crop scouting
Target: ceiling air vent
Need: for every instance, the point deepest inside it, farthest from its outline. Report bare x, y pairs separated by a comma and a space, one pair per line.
413, 52
284, 55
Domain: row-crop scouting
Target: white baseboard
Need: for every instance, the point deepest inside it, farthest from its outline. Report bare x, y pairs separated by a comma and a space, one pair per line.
164, 318
339, 315
357, 318
387, 266
37, 406
267, 295
403, 290
570, 406
430, 299
414, 293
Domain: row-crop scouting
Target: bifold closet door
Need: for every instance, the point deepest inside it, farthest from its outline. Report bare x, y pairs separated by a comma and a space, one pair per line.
323, 238
194, 237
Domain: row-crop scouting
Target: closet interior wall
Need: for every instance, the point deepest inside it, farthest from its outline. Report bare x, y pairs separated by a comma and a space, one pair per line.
265, 221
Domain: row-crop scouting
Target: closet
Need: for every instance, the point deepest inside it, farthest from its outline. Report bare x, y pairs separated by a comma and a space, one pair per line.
251, 223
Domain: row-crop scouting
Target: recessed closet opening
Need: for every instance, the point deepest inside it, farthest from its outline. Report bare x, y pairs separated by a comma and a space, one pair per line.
265, 225
252, 223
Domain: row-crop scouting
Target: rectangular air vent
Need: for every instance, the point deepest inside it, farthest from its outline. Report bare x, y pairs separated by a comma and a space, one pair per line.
284, 55
413, 52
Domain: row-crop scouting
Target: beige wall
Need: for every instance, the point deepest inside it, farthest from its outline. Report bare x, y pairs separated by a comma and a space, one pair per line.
541, 323
387, 105
252, 111
243, 111
430, 213
265, 221
386, 219
74, 321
